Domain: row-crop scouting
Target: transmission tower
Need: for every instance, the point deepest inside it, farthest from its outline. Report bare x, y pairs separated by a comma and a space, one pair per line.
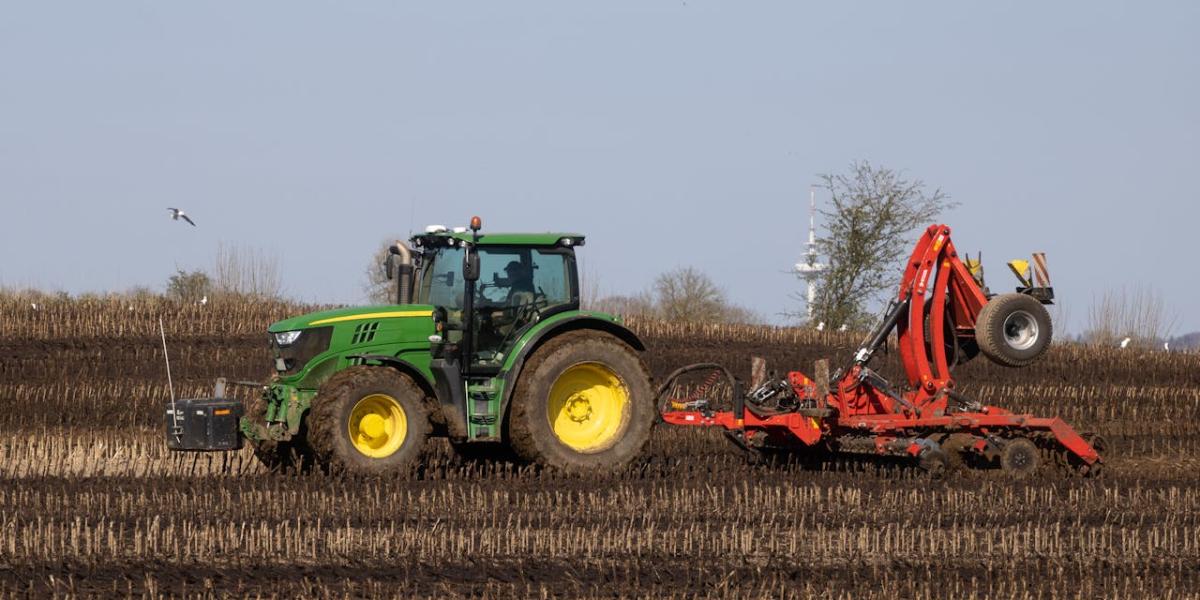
809, 268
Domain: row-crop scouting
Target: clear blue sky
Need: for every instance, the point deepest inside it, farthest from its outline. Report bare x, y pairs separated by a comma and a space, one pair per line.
671, 133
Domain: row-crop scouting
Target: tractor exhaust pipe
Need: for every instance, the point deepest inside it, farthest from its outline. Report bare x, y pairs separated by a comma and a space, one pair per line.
404, 273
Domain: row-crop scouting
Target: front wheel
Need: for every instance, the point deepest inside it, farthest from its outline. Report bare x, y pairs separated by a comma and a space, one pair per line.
368, 421
583, 403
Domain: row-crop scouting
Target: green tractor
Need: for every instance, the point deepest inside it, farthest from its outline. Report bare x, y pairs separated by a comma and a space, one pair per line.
486, 345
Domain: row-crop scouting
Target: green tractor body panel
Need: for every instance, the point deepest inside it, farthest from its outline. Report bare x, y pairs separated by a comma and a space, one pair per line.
516, 239
329, 341
351, 314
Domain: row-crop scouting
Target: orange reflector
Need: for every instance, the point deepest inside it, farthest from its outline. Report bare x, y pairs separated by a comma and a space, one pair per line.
221, 411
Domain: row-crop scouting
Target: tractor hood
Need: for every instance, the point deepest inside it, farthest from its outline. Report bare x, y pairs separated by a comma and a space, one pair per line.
355, 313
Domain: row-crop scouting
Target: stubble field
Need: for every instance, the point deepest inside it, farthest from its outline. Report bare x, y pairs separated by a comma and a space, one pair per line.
92, 504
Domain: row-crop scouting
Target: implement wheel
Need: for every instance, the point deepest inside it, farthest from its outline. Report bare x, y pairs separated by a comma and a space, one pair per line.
1020, 458
583, 403
1013, 330
368, 421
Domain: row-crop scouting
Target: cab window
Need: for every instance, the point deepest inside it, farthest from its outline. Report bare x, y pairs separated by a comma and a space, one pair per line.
442, 283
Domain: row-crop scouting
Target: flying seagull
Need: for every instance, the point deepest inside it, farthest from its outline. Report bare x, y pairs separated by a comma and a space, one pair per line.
177, 213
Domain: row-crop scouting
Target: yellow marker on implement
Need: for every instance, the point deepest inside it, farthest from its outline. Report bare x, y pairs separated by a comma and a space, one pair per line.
1020, 268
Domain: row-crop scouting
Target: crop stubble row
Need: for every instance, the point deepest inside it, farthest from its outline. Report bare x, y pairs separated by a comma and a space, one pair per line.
93, 505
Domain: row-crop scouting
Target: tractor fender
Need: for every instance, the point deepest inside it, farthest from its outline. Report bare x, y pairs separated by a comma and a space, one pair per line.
401, 365
439, 415
554, 329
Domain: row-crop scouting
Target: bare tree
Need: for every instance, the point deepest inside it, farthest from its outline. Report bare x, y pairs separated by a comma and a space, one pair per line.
868, 229
377, 287
590, 292
1140, 314
687, 294
245, 271
638, 305
189, 287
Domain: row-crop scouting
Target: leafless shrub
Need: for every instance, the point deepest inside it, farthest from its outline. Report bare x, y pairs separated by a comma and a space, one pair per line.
246, 271
1139, 313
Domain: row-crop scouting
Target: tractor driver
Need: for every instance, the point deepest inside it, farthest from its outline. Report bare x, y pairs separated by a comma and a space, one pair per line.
519, 281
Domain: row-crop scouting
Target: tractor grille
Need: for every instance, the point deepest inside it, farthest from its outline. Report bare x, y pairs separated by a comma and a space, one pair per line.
364, 332
310, 343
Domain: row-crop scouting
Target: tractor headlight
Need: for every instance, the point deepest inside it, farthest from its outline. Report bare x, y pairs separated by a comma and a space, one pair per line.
287, 338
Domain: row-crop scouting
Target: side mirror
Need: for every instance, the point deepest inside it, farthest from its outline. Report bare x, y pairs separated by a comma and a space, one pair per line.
471, 265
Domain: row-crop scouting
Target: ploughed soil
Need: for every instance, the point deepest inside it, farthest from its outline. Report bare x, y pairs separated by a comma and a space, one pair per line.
90, 504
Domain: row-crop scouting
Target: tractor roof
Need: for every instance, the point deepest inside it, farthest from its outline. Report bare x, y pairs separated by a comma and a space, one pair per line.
505, 239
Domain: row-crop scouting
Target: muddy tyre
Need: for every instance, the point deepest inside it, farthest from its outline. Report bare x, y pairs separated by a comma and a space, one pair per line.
1013, 330
583, 404
368, 421
276, 456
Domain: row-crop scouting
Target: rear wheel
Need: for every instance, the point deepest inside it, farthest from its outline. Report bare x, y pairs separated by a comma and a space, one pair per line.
1013, 330
583, 403
369, 421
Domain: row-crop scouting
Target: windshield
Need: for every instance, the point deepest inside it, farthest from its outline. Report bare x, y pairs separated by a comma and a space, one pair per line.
517, 286
506, 274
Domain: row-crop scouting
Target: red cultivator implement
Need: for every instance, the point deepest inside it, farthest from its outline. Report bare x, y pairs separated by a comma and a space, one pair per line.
942, 316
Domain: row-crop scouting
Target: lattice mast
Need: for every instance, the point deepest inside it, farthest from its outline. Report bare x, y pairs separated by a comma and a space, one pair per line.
809, 268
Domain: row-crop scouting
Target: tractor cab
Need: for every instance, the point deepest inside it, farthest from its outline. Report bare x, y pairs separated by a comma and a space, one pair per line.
493, 287
496, 299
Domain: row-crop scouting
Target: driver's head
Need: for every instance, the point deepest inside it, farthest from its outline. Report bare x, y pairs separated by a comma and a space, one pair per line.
516, 271
518, 274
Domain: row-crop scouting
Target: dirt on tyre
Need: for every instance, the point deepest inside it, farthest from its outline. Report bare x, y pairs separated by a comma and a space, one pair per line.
274, 455
582, 404
368, 421
1013, 330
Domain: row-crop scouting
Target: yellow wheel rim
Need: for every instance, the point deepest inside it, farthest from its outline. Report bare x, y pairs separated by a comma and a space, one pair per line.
378, 426
588, 407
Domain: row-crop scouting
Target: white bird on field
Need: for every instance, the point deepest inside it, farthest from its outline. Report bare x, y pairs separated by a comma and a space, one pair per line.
33, 305
177, 214
821, 326
204, 301
1167, 346
1125, 342
842, 328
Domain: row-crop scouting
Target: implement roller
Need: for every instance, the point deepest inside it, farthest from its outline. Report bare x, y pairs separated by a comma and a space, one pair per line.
942, 316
